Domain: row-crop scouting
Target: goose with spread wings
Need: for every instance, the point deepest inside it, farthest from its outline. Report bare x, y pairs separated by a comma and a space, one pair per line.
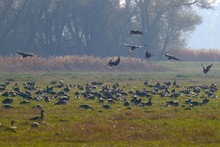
148, 55
171, 57
24, 55
136, 32
112, 63
133, 47
206, 69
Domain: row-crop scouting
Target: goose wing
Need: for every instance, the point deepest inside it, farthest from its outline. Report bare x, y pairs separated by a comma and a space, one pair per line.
171, 57
128, 45
110, 63
117, 61
208, 67
175, 58
147, 54
133, 46
24, 55
136, 32
168, 55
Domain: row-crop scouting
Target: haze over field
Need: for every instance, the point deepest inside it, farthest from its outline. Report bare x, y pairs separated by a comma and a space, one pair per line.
102, 28
207, 35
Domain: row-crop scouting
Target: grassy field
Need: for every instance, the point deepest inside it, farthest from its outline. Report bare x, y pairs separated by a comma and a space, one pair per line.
134, 125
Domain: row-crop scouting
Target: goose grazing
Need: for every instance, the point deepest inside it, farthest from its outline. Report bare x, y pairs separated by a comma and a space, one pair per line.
149, 103
133, 47
24, 55
148, 55
136, 32
7, 101
206, 69
126, 103
41, 117
170, 57
35, 125
106, 106
113, 63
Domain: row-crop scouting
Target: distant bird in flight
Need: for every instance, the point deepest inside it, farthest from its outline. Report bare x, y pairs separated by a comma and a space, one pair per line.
24, 55
148, 55
206, 69
136, 32
133, 47
113, 63
170, 57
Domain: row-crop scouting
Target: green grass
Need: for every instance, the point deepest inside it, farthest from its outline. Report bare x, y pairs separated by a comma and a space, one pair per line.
69, 125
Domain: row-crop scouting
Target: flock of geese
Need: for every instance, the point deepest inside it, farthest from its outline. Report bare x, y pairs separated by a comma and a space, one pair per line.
134, 47
127, 96
149, 55
106, 93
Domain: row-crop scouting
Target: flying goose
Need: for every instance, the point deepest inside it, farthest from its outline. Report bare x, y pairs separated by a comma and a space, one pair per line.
170, 57
113, 63
136, 32
148, 55
132, 47
206, 69
24, 55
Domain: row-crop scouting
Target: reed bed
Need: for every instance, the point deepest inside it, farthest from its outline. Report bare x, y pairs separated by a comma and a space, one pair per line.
198, 55
96, 64
74, 63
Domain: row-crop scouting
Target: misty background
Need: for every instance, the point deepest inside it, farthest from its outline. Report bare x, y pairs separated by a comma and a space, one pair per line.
207, 34
100, 28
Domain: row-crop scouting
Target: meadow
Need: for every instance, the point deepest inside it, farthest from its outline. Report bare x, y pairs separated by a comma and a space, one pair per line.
134, 125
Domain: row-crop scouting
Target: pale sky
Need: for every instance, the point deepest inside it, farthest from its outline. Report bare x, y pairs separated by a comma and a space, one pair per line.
207, 35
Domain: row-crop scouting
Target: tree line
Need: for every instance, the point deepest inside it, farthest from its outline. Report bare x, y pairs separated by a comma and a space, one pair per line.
96, 27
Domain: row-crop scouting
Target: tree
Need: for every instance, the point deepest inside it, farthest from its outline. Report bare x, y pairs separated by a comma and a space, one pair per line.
99, 28
166, 24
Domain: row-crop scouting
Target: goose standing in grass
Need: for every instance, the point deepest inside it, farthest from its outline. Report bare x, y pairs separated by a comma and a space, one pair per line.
132, 47
24, 55
7, 101
106, 106
149, 103
39, 118
101, 100
12, 127
113, 63
171, 57
7, 106
137, 32
126, 103
85, 106
61, 102
206, 69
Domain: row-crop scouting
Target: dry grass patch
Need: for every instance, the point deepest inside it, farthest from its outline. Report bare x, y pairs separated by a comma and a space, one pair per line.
74, 63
